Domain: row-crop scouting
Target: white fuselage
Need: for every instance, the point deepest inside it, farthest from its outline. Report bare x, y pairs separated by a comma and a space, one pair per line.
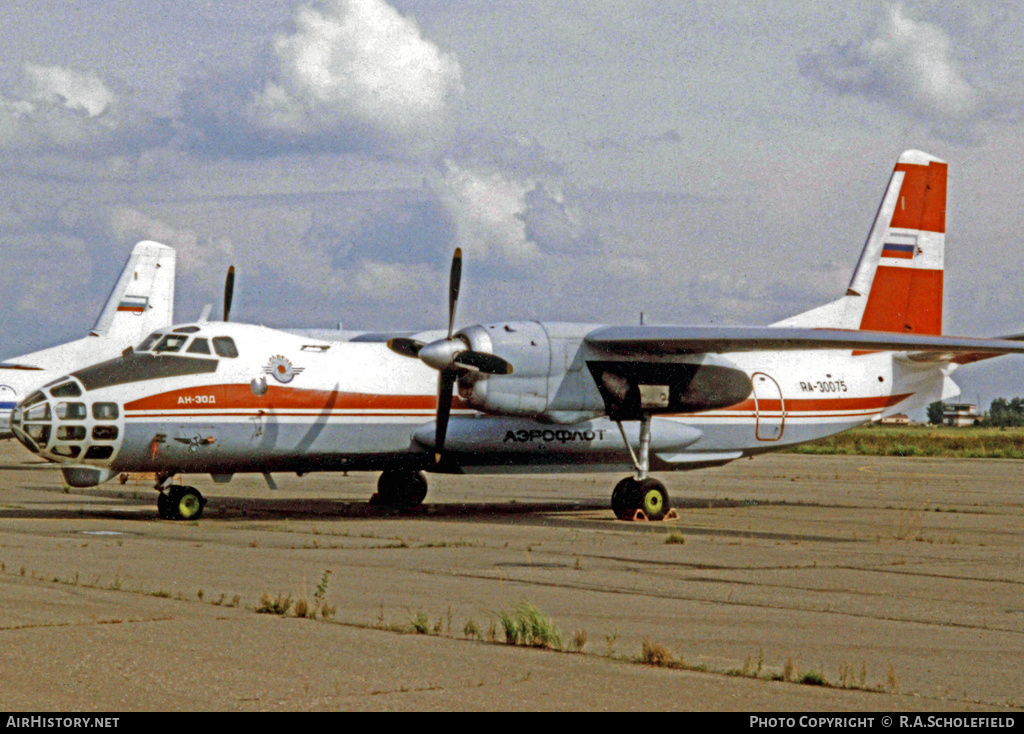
289, 402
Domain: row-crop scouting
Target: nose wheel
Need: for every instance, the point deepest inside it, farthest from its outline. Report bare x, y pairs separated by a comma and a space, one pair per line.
400, 489
180, 503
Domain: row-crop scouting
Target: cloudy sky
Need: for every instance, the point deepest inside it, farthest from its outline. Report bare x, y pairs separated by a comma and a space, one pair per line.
594, 160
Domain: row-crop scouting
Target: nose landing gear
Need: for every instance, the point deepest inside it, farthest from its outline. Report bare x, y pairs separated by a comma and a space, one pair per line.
180, 503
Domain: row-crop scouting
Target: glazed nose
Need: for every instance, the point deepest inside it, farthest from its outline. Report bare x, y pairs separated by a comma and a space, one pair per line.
31, 423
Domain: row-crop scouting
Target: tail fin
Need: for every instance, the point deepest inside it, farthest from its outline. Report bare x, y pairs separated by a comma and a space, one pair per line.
897, 286
143, 298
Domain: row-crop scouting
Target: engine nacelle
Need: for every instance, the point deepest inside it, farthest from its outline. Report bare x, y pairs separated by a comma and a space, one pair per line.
559, 378
526, 346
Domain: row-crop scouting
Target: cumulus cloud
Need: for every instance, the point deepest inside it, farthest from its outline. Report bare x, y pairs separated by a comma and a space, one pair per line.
356, 59
487, 211
907, 63
351, 75
514, 220
73, 89
69, 110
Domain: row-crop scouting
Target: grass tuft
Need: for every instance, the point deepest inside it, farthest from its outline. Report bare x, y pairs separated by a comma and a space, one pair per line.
652, 653
420, 624
526, 626
274, 605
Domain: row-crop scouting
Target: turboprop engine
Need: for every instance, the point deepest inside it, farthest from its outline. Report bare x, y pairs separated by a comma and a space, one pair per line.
560, 378
548, 372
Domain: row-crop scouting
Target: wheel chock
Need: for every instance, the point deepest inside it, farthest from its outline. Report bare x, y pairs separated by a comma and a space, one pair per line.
641, 516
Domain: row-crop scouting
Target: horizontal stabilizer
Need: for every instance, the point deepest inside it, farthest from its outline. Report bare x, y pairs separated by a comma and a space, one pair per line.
667, 340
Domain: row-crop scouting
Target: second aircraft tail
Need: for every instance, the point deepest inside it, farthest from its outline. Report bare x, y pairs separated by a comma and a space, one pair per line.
143, 297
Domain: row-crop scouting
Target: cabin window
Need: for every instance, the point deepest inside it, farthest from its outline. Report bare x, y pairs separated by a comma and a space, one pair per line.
104, 411
225, 346
199, 346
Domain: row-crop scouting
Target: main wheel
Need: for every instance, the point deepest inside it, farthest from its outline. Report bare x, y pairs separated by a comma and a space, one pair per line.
632, 494
652, 498
622, 498
181, 503
401, 488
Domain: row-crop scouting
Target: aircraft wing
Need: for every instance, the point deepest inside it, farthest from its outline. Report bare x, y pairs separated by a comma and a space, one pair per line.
669, 340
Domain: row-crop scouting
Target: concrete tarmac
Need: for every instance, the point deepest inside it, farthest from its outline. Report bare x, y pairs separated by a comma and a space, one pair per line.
898, 582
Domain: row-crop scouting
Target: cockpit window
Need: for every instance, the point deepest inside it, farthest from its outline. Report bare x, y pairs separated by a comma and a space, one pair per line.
67, 390
70, 411
70, 433
170, 343
36, 397
148, 342
38, 412
225, 346
199, 346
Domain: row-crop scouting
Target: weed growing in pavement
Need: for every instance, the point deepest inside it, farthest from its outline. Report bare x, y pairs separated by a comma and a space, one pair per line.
420, 624
578, 641
651, 653
274, 605
526, 626
471, 631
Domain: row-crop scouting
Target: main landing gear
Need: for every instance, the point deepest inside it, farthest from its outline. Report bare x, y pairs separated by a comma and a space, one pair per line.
177, 502
641, 497
400, 488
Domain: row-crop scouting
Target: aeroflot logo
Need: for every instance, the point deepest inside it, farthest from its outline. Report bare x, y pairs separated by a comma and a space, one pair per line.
282, 370
552, 435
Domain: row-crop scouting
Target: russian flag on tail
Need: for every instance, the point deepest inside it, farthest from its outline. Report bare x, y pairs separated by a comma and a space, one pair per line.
904, 252
133, 304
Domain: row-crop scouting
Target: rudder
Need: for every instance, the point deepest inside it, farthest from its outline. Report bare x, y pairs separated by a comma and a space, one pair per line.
901, 268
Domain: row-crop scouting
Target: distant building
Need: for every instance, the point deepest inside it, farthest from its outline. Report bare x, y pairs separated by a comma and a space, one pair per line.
900, 419
960, 414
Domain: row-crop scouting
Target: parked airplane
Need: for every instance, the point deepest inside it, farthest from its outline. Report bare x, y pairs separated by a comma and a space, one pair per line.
142, 300
223, 398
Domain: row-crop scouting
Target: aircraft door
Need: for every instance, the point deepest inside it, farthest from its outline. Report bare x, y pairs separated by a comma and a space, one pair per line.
769, 407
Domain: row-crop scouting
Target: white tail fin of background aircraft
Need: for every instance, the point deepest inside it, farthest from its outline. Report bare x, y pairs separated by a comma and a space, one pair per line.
142, 298
897, 285
142, 301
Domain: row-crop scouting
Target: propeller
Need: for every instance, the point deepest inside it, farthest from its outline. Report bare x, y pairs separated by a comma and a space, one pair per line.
229, 291
451, 357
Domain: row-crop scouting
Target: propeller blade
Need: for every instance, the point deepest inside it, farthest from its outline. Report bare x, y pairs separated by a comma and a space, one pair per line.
454, 282
487, 363
405, 346
229, 291
445, 383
